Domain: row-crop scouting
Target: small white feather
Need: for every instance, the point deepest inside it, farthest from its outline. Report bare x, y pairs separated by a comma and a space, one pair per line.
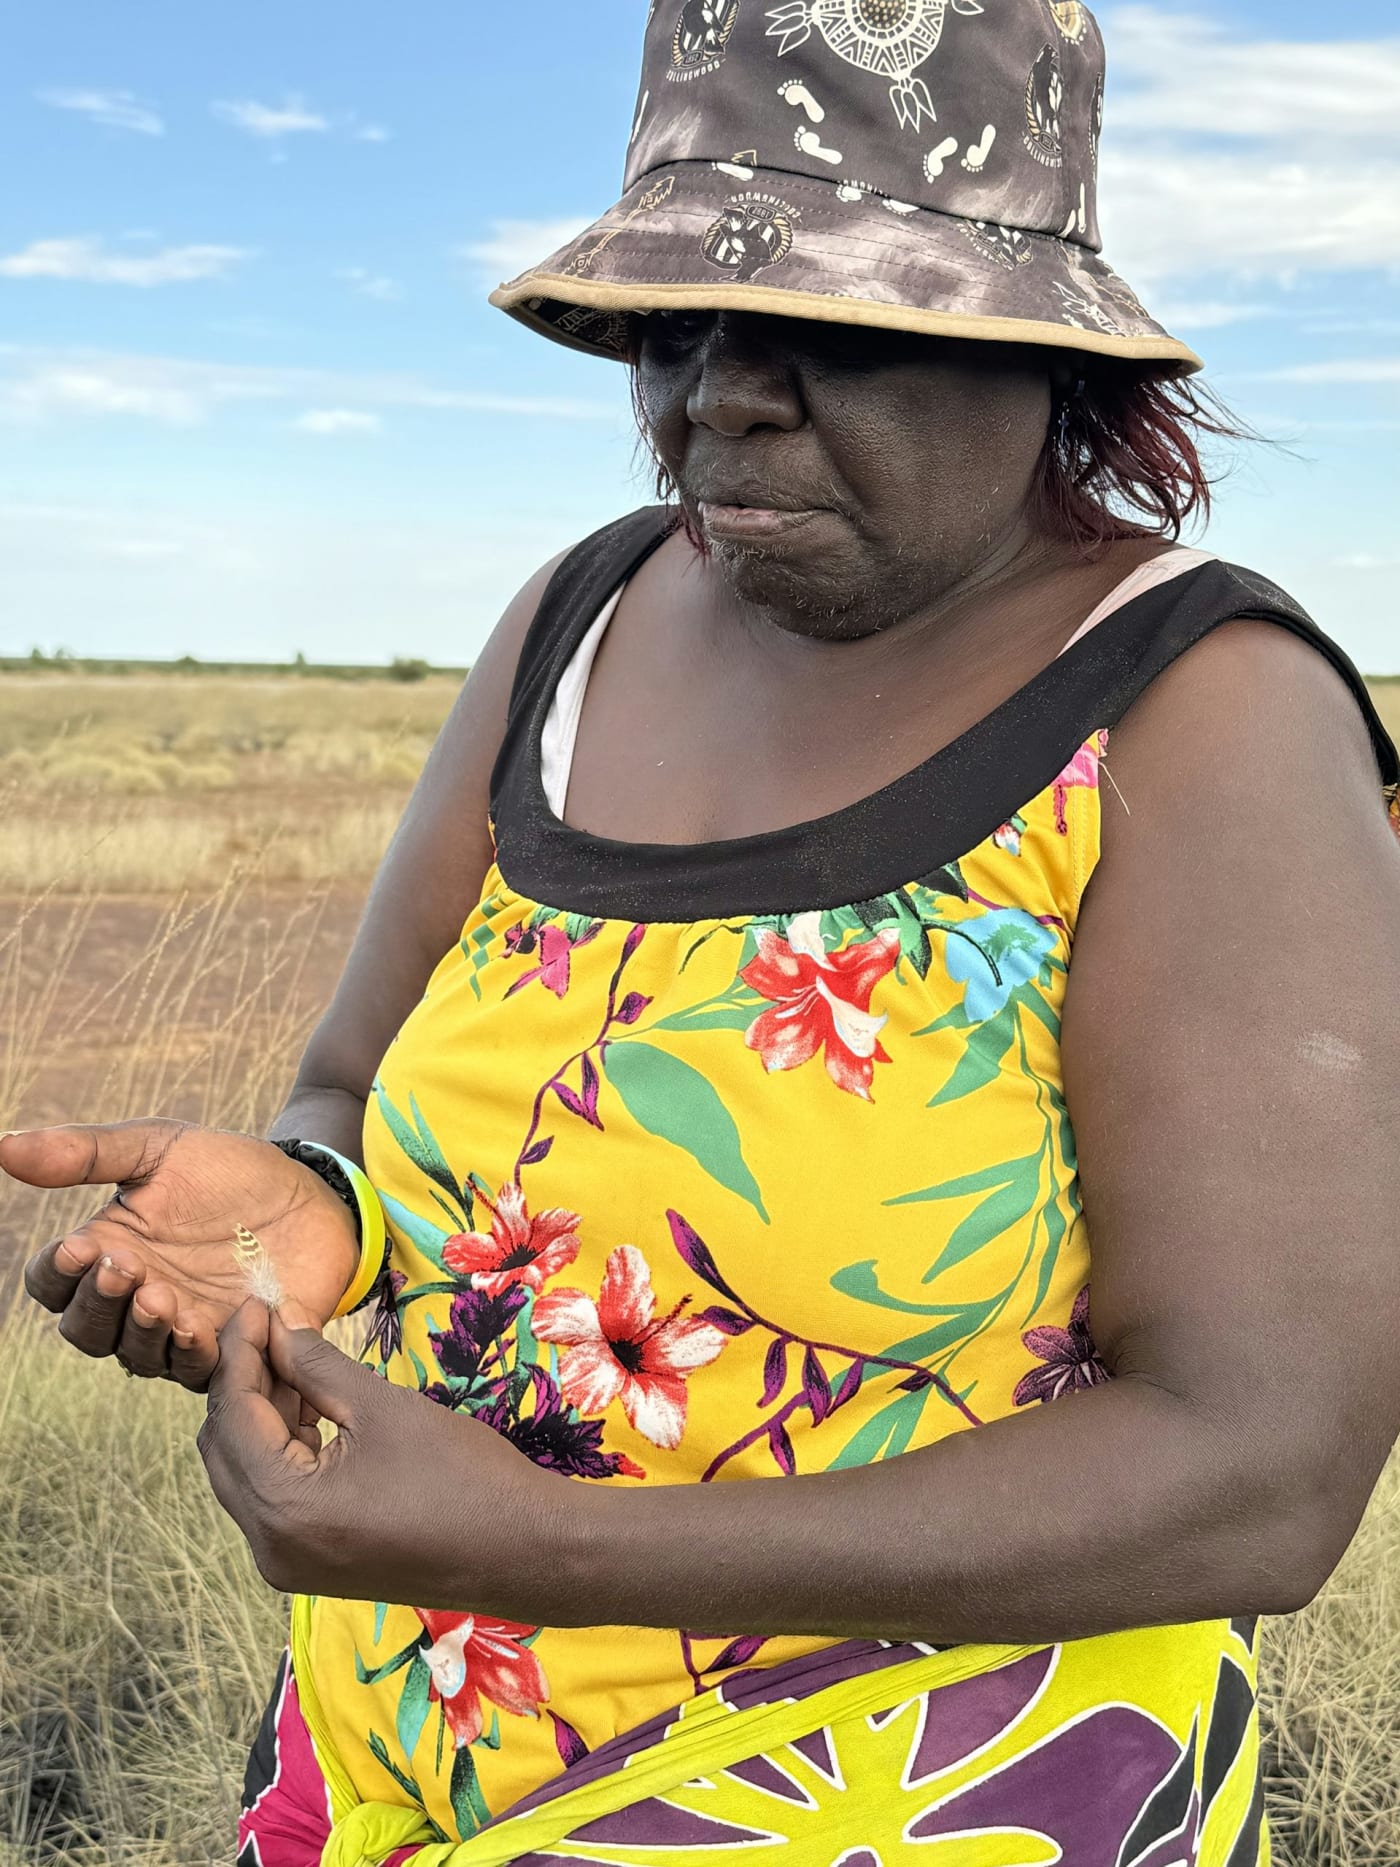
261, 1281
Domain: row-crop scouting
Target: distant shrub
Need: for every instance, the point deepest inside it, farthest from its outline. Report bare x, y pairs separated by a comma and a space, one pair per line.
402, 669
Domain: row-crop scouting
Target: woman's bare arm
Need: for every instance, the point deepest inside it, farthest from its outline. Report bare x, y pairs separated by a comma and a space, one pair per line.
426, 886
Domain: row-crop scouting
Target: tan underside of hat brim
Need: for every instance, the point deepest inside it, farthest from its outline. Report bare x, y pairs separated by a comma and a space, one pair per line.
824, 308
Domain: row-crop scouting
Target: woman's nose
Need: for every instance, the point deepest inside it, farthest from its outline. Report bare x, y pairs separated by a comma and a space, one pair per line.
745, 380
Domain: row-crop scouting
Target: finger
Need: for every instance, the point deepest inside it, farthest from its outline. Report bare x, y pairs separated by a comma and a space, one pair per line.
289, 1405
194, 1352
111, 1155
53, 1274
334, 1385
243, 1363
303, 1421
145, 1340
243, 1428
95, 1318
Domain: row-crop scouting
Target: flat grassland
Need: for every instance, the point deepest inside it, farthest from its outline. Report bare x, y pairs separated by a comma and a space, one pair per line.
182, 861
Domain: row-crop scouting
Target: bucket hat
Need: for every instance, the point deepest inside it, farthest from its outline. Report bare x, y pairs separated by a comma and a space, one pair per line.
915, 165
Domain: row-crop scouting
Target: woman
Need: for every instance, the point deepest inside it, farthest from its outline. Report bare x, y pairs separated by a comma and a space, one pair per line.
934, 971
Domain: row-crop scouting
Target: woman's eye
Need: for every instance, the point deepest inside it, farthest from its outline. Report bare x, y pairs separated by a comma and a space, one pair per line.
677, 330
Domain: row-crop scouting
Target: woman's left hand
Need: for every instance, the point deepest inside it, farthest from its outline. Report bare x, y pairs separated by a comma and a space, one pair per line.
408, 1503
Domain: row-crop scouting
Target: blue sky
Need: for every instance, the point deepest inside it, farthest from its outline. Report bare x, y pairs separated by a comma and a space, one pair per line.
252, 399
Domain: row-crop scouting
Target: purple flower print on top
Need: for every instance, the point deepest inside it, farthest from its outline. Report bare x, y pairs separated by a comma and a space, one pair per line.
1070, 1360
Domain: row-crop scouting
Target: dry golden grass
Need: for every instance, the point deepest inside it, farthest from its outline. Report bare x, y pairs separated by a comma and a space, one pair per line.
136, 1640
1386, 695
144, 784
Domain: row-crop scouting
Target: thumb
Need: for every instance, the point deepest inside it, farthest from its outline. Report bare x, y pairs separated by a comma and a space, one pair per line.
337, 1387
112, 1155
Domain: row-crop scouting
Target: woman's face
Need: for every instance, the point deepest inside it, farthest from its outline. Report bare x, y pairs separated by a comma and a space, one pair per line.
841, 478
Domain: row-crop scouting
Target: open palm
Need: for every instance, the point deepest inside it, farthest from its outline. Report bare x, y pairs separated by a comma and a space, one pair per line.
153, 1276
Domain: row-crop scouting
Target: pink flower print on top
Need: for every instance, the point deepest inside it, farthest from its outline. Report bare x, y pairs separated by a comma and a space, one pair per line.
616, 1350
1082, 770
555, 947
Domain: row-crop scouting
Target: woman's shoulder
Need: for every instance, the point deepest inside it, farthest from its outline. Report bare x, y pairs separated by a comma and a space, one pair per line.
1258, 727
1217, 662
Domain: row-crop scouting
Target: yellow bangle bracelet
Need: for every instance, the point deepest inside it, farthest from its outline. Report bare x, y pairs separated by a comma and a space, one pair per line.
373, 1235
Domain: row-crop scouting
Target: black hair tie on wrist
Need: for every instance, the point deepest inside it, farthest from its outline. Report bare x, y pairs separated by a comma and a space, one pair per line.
325, 1167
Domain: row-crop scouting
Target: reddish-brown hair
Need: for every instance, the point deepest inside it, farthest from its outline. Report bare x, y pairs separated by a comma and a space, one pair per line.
1122, 456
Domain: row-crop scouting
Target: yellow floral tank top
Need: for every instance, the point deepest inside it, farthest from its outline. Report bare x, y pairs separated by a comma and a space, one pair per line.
710, 1164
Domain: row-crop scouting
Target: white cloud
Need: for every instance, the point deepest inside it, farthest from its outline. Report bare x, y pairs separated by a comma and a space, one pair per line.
88, 261
270, 121
1351, 327
337, 421
1370, 371
1231, 158
135, 535
513, 246
78, 391
372, 133
1208, 314
46, 385
1366, 560
1172, 214
1188, 75
370, 284
119, 110
140, 550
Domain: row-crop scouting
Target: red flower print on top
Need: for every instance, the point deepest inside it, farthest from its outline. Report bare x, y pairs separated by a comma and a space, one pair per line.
615, 1349
518, 1249
820, 1000
473, 1658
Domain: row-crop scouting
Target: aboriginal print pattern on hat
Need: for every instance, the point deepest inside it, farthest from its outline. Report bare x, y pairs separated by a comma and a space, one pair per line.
923, 165
892, 38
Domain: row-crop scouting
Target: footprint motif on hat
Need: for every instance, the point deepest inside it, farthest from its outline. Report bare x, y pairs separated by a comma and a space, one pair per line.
889, 38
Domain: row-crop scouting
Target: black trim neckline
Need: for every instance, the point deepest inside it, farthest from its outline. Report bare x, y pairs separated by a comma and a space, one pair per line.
913, 826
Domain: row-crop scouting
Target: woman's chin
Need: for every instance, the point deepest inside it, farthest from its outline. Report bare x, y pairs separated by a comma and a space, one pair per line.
806, 592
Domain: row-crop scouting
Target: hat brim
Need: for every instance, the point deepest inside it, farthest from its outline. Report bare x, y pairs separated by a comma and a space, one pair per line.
706, 236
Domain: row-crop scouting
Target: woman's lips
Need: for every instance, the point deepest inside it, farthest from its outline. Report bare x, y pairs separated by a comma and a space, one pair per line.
753, 522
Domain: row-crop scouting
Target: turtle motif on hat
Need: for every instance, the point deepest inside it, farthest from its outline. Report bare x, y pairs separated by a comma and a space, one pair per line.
889, 38
754, 231
702, 33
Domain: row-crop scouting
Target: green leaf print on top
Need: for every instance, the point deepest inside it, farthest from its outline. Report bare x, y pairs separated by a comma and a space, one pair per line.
1011, 1198
417, 1141
676, 1103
